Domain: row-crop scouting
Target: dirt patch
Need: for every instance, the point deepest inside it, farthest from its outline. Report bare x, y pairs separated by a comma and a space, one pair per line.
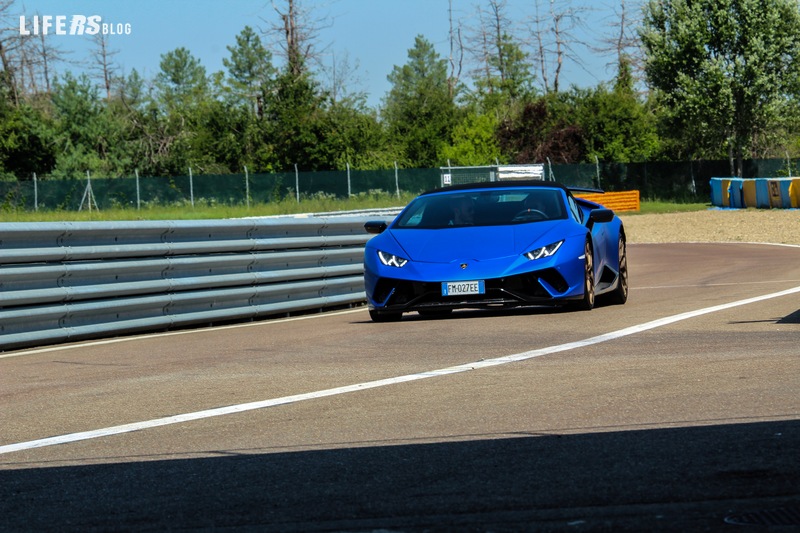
780, 226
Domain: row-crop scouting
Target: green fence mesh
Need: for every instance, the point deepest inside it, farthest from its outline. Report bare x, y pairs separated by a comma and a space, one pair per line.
231, 189
668, 181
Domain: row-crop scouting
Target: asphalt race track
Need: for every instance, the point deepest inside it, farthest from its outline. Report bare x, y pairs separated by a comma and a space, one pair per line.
679, 411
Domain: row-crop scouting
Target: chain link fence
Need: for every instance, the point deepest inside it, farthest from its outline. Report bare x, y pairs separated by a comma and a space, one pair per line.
682, 181
227, 189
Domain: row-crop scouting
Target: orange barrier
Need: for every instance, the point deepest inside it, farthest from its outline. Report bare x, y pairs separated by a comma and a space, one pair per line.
617, 201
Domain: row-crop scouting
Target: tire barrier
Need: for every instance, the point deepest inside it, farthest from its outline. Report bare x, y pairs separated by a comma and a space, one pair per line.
616, 201
762, 193
64, 281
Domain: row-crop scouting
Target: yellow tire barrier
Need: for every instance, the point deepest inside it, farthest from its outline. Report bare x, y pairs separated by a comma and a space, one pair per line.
762, 193
616, 201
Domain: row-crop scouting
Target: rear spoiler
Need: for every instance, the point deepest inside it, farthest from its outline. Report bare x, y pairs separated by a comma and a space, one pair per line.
586, 190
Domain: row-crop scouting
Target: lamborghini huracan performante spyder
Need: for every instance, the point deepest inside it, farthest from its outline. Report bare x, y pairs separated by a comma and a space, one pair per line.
495, 245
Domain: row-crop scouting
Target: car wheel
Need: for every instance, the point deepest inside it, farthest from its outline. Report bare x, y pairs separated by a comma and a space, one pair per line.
377, 316
620, 295
587, 302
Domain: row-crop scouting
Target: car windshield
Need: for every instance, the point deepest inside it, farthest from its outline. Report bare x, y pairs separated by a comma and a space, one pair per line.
495, 207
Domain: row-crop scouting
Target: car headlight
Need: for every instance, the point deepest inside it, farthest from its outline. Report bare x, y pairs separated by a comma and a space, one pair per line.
391, 259
544, 251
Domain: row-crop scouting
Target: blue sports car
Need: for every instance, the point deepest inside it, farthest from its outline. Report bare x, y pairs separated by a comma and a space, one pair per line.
495, 245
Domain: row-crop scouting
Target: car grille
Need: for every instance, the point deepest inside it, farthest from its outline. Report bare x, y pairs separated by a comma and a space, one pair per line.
512, 290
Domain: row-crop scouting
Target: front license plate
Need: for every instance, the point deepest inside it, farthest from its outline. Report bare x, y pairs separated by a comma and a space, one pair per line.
459, 288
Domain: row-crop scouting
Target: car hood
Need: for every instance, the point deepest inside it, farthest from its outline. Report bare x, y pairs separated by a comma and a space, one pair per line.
477, 243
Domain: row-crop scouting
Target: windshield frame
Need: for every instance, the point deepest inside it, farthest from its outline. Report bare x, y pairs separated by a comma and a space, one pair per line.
504, 206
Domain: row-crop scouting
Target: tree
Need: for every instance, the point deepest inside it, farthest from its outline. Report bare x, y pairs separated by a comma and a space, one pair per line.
295, 107
622, 42
26, 140
9, 41
182, 80
541, 132
725, 71
418, 110
131, 90
176, 114
294, 112
456, 58
352, 134
474, 141
80, 140
343, 81
298, 33
103, 64
250, 70
503, 75
555, 39
617, 126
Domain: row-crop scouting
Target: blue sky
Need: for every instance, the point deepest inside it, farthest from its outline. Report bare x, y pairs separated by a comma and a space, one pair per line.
373, 35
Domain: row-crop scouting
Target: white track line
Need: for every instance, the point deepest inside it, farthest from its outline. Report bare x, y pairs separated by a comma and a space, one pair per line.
232, 409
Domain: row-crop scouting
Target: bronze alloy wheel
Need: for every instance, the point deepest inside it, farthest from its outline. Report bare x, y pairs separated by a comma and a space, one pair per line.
587, 302
620, 294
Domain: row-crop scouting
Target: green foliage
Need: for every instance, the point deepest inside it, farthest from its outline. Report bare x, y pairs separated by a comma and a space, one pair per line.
723, 71
474, 142
353, 135
88, 134
419, 112
507, 77
724, 79
26, 144
250, 71
616, 125
542, 130
181, 83
295, 114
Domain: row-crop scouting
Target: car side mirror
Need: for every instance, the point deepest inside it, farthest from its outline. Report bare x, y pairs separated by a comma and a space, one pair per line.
601, 216
375, 226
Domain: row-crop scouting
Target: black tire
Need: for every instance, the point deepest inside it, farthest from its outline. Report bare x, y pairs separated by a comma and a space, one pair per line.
620, 295
587, 302
378, 316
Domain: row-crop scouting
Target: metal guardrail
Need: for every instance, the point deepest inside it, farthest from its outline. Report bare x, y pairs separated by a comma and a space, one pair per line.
65, 281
